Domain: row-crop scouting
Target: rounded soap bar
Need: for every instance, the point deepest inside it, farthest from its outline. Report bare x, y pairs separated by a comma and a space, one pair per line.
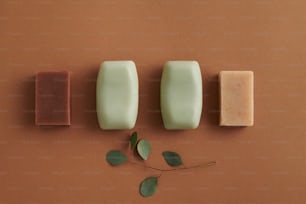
117, 95
181, 95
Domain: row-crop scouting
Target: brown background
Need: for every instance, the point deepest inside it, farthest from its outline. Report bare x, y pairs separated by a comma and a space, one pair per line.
260, 164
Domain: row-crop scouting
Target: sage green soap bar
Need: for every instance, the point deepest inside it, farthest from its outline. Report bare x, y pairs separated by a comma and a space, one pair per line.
117, 95
181, 95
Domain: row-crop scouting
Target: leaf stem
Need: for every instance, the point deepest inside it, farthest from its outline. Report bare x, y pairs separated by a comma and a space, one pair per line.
206, 164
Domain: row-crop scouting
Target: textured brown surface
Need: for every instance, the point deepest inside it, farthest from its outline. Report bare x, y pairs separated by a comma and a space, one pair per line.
236, 98
52, 98
260, 164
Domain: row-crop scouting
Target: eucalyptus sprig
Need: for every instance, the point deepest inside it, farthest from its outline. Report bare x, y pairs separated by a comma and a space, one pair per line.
148, 186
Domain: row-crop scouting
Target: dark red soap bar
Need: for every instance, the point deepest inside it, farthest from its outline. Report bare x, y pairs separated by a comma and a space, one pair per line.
52, 98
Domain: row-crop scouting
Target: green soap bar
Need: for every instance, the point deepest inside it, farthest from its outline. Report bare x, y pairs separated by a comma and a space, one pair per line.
117, 95
181, 95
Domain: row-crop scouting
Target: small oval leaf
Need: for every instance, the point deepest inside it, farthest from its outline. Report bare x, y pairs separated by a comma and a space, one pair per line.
144, 149
133, 140
172, 158
148, 186
115, 157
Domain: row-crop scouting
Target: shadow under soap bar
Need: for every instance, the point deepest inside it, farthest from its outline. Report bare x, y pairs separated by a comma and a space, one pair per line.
236, 98
52, 98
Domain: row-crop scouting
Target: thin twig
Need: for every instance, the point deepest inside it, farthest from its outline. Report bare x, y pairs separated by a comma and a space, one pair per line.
207, 164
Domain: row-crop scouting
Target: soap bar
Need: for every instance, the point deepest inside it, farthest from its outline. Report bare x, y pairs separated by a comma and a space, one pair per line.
181, 95
52, 98
236, 98
117, 95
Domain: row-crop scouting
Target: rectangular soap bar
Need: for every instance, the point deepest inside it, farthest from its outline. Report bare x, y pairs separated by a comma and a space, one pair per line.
117, 95
52, 98
236, 98
181, 95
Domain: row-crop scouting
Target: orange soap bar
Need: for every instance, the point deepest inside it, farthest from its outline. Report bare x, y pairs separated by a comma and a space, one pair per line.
236, 98
52, 98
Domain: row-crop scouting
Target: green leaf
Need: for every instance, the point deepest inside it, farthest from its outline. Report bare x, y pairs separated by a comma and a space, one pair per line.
115, 157
172, 158
144, 149
148, 186
133, 140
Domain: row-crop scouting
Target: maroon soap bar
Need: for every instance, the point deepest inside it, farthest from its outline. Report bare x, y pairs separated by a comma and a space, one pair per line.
52, 98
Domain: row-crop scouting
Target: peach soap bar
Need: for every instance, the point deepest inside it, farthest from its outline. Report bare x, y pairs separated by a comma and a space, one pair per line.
117, 95
236, 98
181, 95
52, 98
